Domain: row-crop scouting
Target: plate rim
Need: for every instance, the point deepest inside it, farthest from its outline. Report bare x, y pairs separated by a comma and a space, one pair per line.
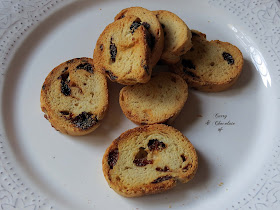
16, 26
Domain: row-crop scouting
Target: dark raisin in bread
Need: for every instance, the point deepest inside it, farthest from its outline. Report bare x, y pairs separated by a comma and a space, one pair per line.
74, 97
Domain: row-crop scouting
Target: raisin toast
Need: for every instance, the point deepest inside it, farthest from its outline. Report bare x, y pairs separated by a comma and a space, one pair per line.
177, 36
209, 66
74, 97
122, 52
151, 23
148, 160
158, 101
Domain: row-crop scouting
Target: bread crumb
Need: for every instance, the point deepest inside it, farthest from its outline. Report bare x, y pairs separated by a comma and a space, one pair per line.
170, 206
199, 115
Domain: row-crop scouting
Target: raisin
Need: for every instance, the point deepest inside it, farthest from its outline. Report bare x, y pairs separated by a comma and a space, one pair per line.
155, 144
85, 66
122, 16
64, 76
194, 34
65, 69
70, 61
141, 153
111, 75
162, 25
190, 73
187, 167
228, 57
141, 158
65, 89
84, 120
43, 87
113, 50
161, 179
65, 112
142, 162
145, 67
46, 116
188, 64
163, 169
113, 157
101, 47
67, 116
134, 26
146, 25
151, 41
183, 158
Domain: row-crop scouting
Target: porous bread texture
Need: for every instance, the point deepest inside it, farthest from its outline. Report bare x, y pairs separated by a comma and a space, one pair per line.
158, 101
210, 66
74, 97
169, 155
177, 36
122, 52
152, 24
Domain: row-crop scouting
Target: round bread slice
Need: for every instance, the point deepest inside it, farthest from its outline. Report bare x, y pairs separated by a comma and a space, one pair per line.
148, 160
210, 66
177, 36
122, 52
150, 21
74, 97
158, 101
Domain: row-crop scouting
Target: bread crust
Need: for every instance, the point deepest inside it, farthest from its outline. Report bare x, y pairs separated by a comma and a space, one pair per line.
149, 180
207, 68
154, 29
59, 107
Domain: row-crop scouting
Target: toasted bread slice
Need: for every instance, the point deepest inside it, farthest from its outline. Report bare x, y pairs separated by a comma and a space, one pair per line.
122, 52
210, 66
177, 36
151, 23
158, 101
74, 97
148, 160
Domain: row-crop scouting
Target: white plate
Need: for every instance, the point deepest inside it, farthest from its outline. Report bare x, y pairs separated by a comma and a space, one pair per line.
236, 132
